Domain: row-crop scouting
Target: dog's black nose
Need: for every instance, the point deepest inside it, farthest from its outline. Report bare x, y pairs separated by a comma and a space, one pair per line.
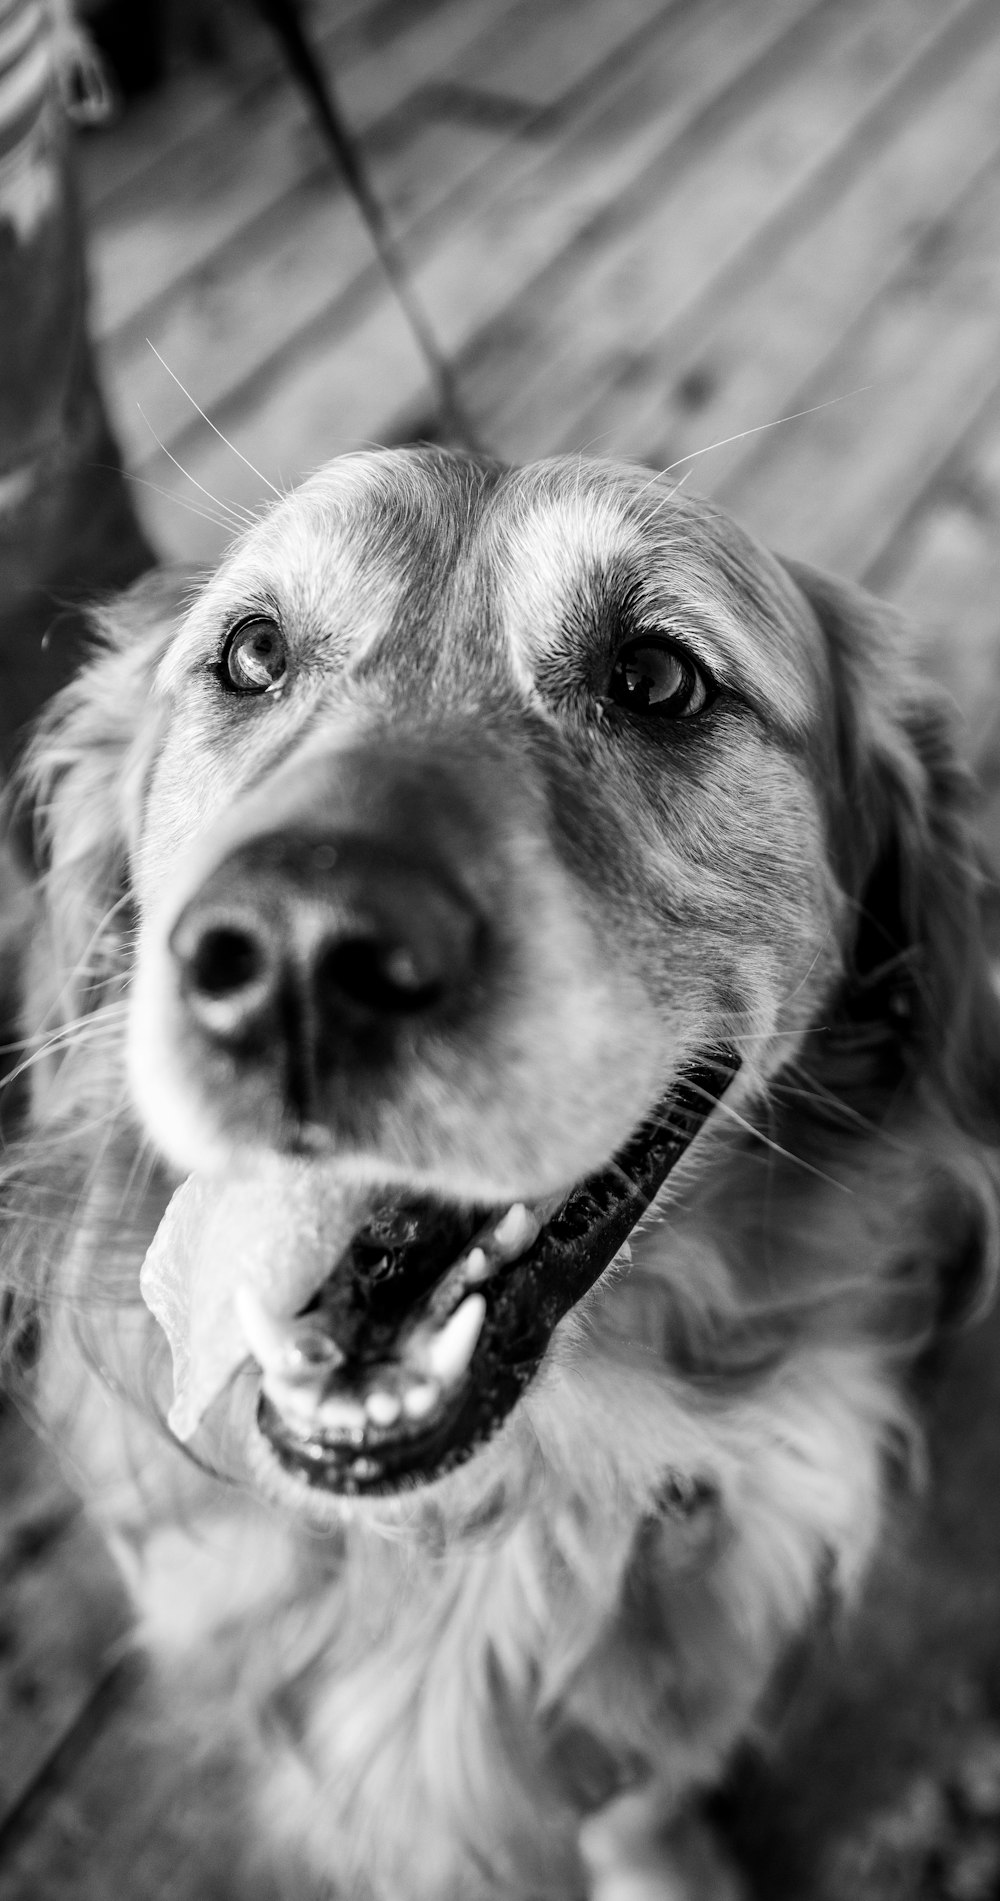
329, 944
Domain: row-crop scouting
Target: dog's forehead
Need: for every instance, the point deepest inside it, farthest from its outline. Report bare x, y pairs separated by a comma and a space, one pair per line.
427, 559
346, 553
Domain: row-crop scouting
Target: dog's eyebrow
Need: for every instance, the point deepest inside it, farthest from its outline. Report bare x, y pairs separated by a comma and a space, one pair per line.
547, 554
302, 566
569, 562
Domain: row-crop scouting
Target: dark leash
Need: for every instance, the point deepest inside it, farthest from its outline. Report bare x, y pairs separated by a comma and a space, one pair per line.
284, 19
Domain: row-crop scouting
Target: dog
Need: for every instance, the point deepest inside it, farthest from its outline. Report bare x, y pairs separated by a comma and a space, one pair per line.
535, 932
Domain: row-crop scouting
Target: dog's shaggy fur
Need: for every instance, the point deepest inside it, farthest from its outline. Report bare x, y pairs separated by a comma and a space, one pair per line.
516, 1681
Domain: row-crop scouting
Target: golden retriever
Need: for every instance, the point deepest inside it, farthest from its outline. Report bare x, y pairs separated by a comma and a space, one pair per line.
509, 962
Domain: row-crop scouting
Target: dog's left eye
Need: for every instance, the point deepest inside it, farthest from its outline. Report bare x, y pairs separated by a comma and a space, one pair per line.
255, 657
652, 675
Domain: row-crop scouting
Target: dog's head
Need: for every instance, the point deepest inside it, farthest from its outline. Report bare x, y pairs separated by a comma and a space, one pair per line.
460, 841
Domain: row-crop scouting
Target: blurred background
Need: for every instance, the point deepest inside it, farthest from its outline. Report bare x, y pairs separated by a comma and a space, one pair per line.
755, 241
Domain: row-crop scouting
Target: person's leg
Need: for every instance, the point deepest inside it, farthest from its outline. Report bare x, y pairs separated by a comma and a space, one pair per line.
67, 528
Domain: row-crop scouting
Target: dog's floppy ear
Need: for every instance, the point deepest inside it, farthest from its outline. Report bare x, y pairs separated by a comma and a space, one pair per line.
918, 968
82, 778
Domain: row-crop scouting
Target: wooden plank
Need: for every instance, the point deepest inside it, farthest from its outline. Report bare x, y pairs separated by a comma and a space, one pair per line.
739, 355
552, 48
197, 105
611, 322
615, 162
142, 1810
535, 204
833, 488
290, 271
943, 570
179, 215
63, 1613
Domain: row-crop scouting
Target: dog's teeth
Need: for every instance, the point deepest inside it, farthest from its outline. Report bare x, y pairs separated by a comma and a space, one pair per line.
362, 1468
283, 1347
296, 1404
477, 1266
341, 1412
421, 1398
383, 1408
264, 1333
515, 1231
445, 1355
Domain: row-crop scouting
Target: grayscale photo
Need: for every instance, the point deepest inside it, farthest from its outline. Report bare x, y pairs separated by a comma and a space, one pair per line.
500, 950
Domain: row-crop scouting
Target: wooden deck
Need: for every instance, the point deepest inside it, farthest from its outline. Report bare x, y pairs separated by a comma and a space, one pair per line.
655, 228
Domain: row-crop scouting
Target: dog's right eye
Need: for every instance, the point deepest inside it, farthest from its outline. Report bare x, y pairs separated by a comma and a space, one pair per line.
255, 657
654, 676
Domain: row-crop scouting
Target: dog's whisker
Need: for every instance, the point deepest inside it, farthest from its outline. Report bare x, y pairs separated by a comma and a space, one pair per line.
141, 1172
784, 1154
91, 962
763, 1039
211, 425
741, 435
217, 519
671, 492
93, 1027
84, 978
239, 519
81, 1025
812, 966
811, 1093
669, 496
592, 442
107, 1125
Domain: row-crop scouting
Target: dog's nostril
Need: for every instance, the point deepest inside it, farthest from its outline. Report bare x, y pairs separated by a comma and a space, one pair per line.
229, 968
378, 977
224, 961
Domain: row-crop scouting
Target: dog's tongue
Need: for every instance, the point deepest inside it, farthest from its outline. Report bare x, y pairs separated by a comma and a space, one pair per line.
279, 1232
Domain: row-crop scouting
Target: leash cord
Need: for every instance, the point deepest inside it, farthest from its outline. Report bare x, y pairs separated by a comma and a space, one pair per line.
283, 18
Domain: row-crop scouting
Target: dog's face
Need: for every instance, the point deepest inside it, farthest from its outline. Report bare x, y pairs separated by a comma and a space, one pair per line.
482, 807
470, 812
479, 808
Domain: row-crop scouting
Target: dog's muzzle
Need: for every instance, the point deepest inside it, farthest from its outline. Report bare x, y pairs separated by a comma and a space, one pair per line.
362, 914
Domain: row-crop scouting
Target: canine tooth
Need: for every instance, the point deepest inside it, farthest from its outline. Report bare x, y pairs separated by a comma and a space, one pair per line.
447, 1353
383, 1408
283, 1346
477, 1265
340, 1412
264, 1334
515, 1231
421, 1398
296, 1404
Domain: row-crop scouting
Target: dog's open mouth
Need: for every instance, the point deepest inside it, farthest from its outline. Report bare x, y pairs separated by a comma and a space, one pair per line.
415, 1350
